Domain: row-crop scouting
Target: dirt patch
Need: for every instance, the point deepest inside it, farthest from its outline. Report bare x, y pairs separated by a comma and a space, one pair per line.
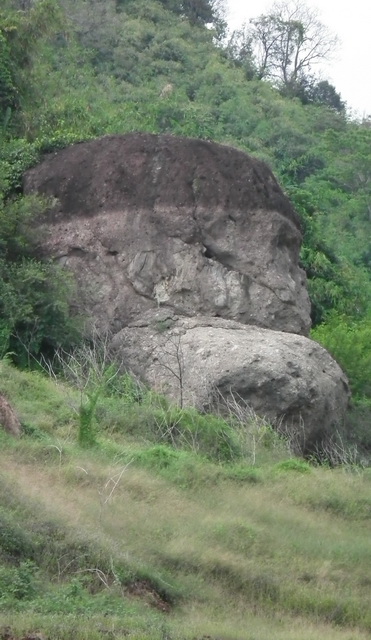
6, 633
144, 589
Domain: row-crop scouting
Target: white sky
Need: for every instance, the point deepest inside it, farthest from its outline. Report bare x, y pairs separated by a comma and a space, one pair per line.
350, 20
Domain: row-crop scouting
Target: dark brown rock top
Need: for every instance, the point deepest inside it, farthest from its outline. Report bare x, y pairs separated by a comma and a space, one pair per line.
138, 170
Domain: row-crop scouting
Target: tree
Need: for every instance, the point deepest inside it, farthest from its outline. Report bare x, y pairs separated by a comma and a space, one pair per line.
22, 26
199, 11
325, 93
8, 92
239, 48
311, 91
288, 42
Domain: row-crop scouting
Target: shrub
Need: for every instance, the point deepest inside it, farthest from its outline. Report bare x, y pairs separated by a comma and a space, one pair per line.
158, 457
294, 464
35, 297
18, 583
15, 544
349, 342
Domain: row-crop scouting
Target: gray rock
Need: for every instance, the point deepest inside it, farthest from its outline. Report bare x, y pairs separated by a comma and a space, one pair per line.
147, 220
284, 377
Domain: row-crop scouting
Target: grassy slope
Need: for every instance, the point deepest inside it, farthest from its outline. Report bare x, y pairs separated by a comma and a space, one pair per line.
147, 546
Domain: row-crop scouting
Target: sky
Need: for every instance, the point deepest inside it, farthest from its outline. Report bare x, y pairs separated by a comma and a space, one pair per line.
350, 69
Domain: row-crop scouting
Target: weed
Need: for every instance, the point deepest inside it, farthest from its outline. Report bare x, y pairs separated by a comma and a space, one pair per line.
255, 435
87, 435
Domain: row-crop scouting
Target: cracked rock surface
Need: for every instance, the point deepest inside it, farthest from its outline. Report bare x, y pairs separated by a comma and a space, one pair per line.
202, 228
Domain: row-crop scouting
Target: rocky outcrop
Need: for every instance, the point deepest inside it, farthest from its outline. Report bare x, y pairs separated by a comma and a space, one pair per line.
146, 221
188, 251
200, 361
8, 418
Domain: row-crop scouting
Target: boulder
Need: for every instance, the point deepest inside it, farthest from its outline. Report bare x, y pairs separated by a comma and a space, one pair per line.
287, 378
145, 221
8, 418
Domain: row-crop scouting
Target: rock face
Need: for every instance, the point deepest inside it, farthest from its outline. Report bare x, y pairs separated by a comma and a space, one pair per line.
188, 252
8, 418
146, 221
197, 361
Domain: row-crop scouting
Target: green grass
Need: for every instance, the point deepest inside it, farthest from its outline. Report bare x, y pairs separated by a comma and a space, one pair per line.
144, 538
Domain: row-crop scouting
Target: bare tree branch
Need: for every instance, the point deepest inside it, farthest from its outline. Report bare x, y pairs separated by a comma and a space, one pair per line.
289, 41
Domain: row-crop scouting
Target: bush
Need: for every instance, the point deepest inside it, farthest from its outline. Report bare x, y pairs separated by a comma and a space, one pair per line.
294, 464
35, 296
206, 434
18, 583
349, 343
15, 544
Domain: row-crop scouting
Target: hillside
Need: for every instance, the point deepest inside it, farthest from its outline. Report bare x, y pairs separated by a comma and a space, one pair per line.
135, 539
120, 515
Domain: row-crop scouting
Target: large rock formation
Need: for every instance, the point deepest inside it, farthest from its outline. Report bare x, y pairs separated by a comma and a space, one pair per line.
148, 220
8, 418
177, 246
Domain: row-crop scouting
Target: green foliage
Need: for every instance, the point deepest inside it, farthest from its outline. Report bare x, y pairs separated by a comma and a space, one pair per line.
15, 544
8, 94
334, 284
41, 405
243, 473
19, 583
34, 296
34, 309
349, 342
87, 436
343, 189
205, 434
141, 412
21, 33
321, 92
159, 457
294, 464
16, 155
